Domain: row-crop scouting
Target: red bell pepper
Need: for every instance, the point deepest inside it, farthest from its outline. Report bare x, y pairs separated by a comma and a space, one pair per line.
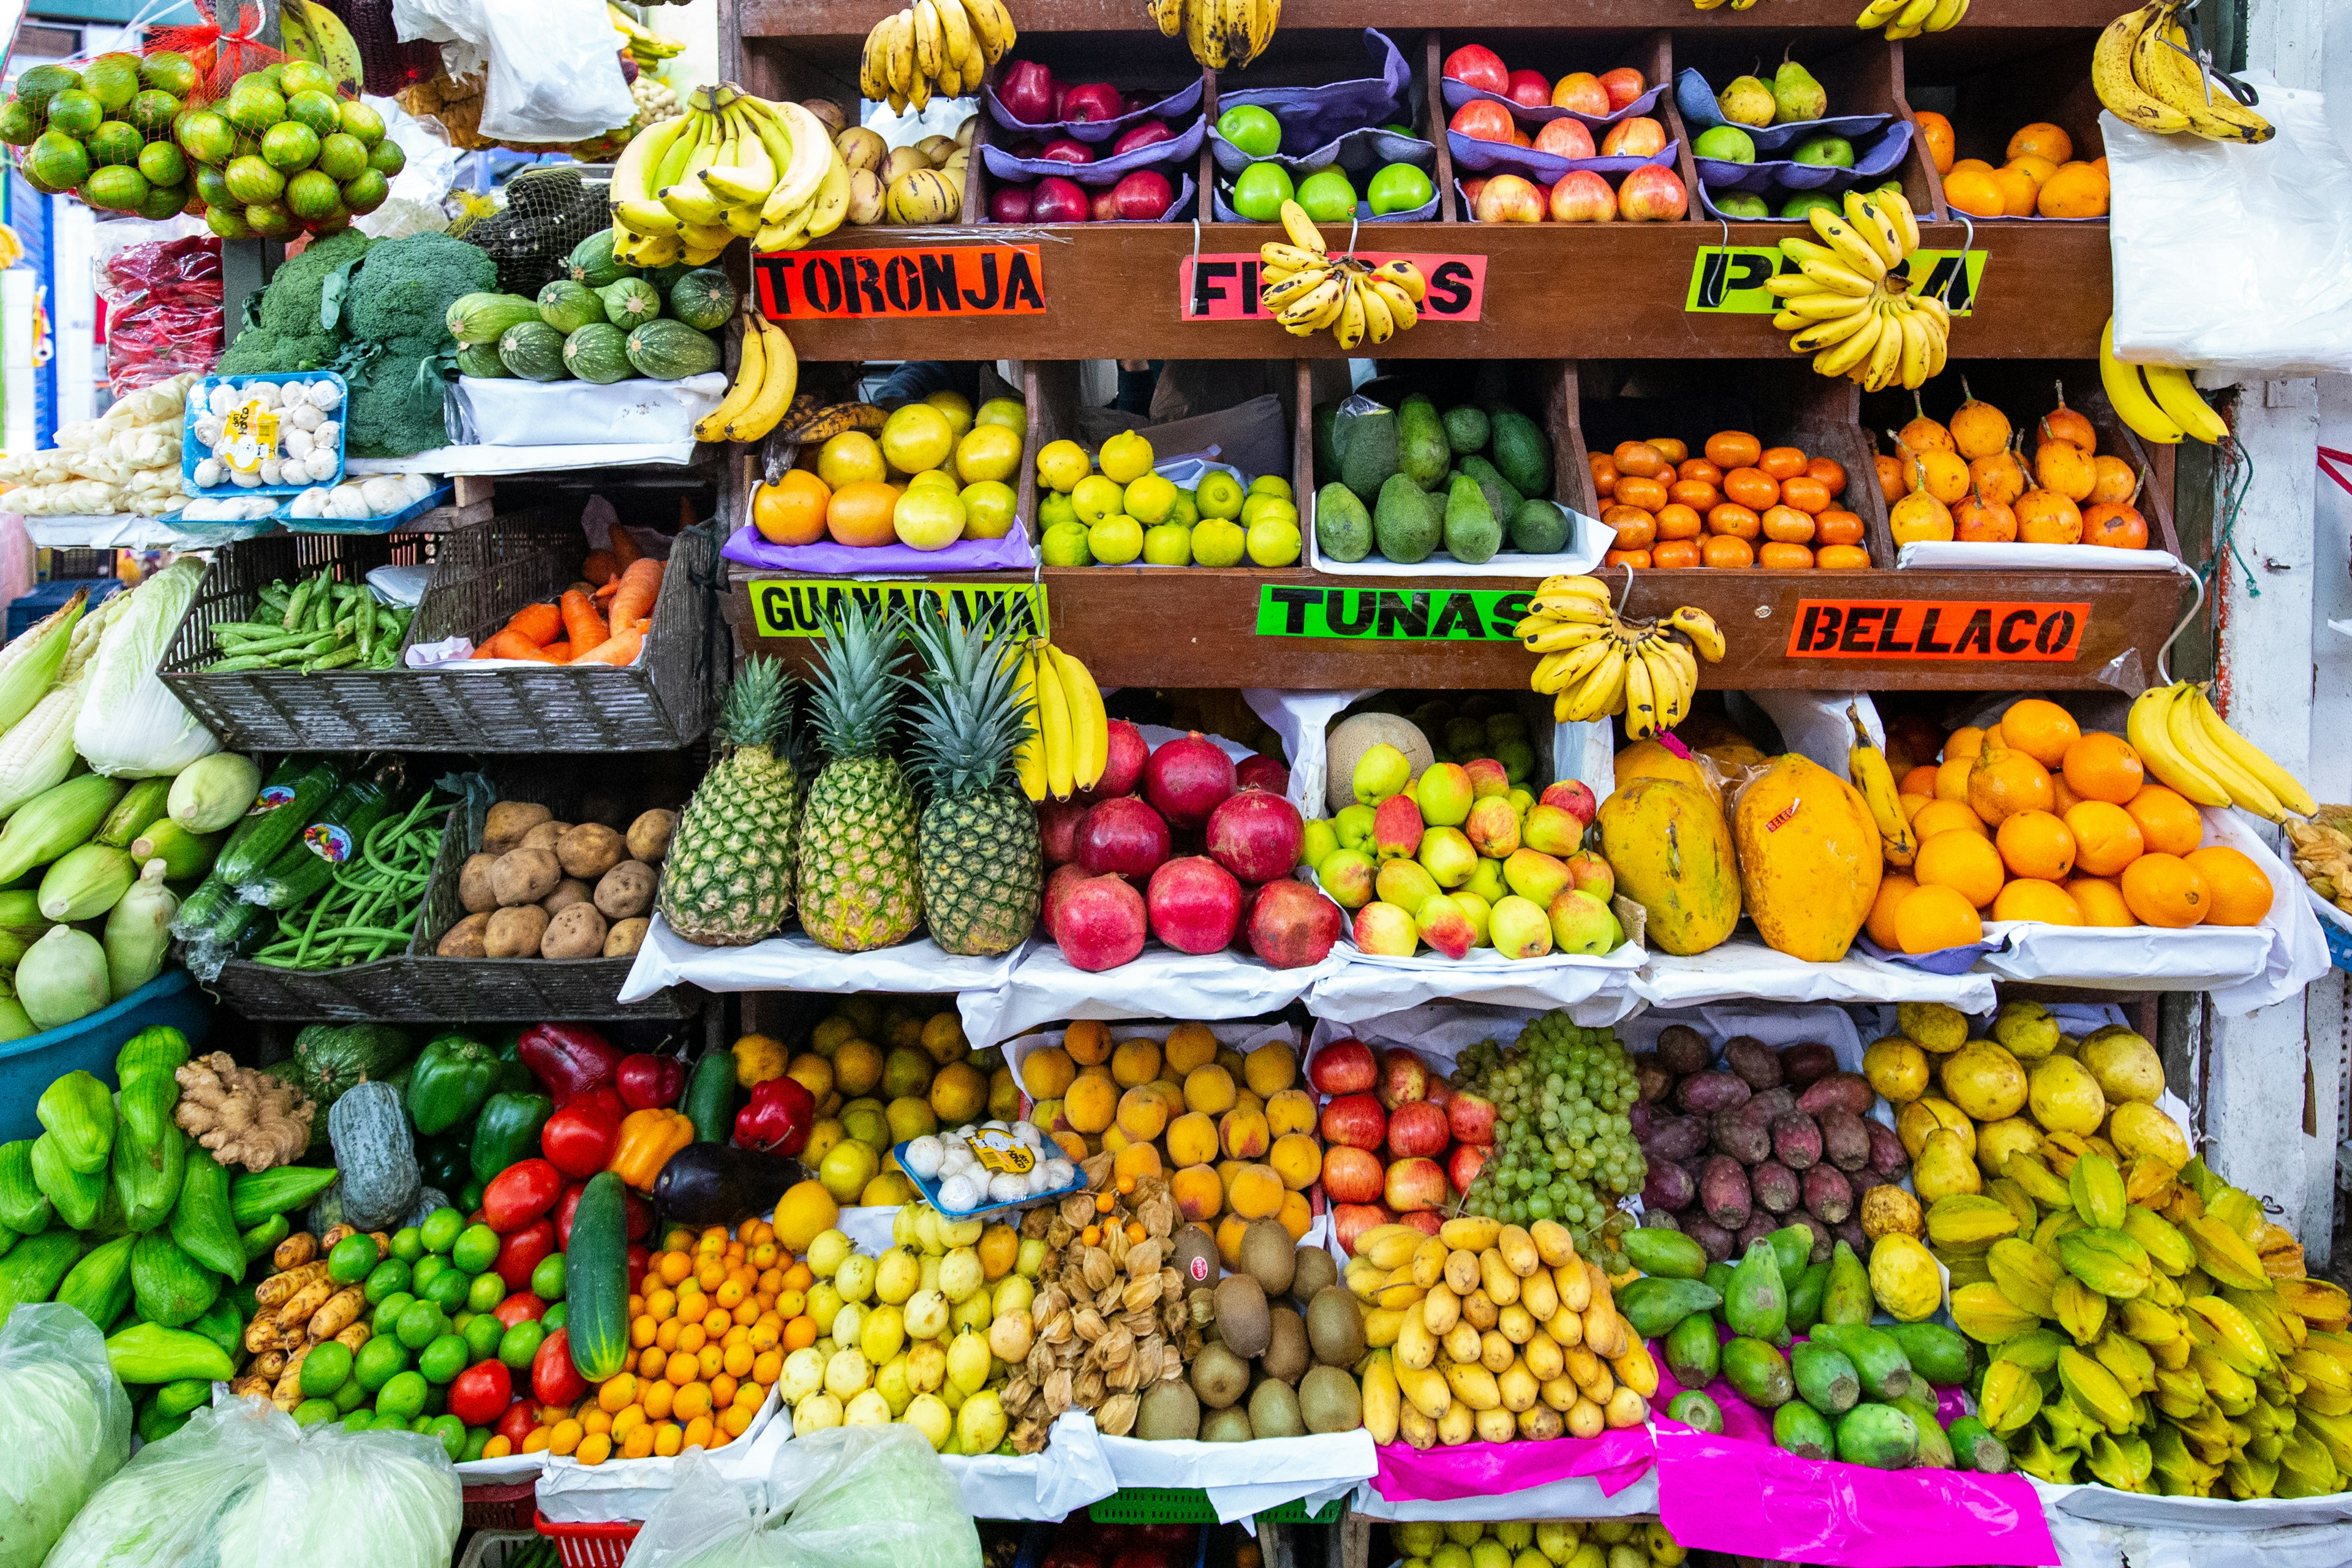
579, 1139
481, 1392
778, 1119
646, 1081
519, 1195
516, 1423
520, 1253
553, 1380
522, 1306
571, 1059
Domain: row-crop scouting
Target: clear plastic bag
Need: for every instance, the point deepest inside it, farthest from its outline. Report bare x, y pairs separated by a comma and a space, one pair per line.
162, 310
555, 66
71, 1426
848, 1497
240, 1483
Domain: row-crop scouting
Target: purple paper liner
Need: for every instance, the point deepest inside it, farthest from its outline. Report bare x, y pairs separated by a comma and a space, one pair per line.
1358, 151
1882, 158
1943, 961
1506, 158
1696, 101
1458, 92
1179, 208
1311, 117
1183, 100
1010, 553
1184, 145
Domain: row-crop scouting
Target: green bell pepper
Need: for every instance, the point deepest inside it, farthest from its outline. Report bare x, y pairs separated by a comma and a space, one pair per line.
159, 1049
150, 1353
74, 1195
443, 1161
515, 1076
79, 1115
452, 1076
508, 1132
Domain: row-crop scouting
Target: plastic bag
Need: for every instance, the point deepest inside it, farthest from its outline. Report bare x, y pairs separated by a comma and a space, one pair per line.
847, 1497
131, 724
163, 311
2235, 257
240, 1483
71, 1426
555, 66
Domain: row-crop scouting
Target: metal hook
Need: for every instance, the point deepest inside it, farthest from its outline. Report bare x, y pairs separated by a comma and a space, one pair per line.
1628, 592
2163, 654
1968, 243
1355, 223
1196, 238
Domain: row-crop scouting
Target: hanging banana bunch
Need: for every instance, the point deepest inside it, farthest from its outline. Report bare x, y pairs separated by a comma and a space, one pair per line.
2150, 74
1594, 663
933, 48
1849, 304
1222, 34
1306, 289
732, 166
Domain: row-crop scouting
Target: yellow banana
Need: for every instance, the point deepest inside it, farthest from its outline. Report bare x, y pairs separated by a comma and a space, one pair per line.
2177, 396
1350, 328
1836, 330
2188, 720
1850, 351
2148, 727
1875, 226
1380, 326
1405, 275
1302, 230
1842, 239
2118, 88
712, 425
1874, 777
1699, 627
1089, 726
779, 381
1029, 757
2134, 405
2253, 758
1054, 705
1400, 304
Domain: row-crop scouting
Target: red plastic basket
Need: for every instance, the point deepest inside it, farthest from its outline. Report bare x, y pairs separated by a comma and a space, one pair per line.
511, 1506
588, 1545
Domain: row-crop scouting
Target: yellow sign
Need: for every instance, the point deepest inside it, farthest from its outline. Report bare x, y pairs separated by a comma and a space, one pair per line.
249, 434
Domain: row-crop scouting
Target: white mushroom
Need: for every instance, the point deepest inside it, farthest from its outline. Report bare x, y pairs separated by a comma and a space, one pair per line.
211, 472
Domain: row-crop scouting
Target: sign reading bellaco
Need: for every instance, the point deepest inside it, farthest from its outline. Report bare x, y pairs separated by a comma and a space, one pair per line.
1995, 630
1223, 286
903, 281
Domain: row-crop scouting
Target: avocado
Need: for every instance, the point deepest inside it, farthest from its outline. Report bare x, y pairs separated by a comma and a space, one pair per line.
1472, 535
1343, 529
1522, 452
1422, 451
1539, 527
1467, 429
1405, 521
1367, 445
1502, 497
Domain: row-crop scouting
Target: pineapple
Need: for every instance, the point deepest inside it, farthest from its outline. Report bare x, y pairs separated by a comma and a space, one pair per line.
728, 880
978, 841
858, 879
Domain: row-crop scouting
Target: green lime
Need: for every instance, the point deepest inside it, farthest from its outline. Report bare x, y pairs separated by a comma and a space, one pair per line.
316, 112
361, 121
171, 70
327, 1367
387, 1313
350, 1397
163, 164
290, 146
486, 1292
423, 1272
547, 1279
408, 1244
483, 1337
403, 1396
315, 1413
476, 1439
436, 1398
420, 1423
352, 1260
444, 1359
385, 158
477, 1248
452, 1433
75, 112
421, 1324
364, 193
450, 1288
385, 1279
557, 1316
441, 1230
519, 1343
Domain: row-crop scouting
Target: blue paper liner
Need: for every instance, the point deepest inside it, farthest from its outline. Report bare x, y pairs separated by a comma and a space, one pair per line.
1182, 146
441, 496
1220, 205
1179, 208
929, 1186
1183, 100
1313, 117
1457, 93
1011, 553
192, 451
1696, 101
1544, 168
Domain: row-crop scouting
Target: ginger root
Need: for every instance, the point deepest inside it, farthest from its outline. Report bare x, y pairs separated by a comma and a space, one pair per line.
244, 1116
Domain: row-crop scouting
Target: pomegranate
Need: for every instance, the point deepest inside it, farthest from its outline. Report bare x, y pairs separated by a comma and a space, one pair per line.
1123, 760
1187, 778
1194, 904
1122, 837
1057, 888
1100, 924
1256, 835
1263, 771
1026, 88
1291, 926
1057, 828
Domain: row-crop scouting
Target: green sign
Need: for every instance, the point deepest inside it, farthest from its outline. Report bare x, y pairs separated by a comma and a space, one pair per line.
801, 606
1391, 614
1729, 280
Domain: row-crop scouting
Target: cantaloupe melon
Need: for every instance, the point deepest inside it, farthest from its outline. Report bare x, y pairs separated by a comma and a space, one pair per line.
1351, 737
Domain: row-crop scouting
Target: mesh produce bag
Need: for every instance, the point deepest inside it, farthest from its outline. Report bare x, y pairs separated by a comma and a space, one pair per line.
71, 1426
548, 211
386, 64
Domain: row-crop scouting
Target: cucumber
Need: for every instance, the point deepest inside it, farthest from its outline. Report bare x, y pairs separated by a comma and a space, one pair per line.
710, 1097
303, 867
596, 1279
295, 789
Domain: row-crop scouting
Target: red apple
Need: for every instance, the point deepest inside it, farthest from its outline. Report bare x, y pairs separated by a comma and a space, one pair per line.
1487, 777
1622, 85
1355, 1120
1652, 194
1429, 1222
1471, 1119
1352, 1175
1582, 91
1441, 1093
1532, 89
1343, 1066
1403, 1079
1573, 797
1057, 200
1484, 120
1564, 138
1636, 138
1470, 189
1582, 196
1026, 88
1462, 1165
1349, 1221
1143, 133
1142, 196
1507, 198
1481, 66
1103, 207
1417, 1129
1093, 100
1008, 204
1415, 1184
1067, 149
1589, 873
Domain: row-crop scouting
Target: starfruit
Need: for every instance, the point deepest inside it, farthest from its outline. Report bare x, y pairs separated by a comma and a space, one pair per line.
2080, 1311
2108, 1261
2036, 1350
2011, 1398
2165, 1290
2210, 1434
2181, 1394
2247, 1477
2018, 1201
2172, 1352
2037, 1459
2063, 1222
2094, 1390
2200, 1179
2335, 1431
2238, 1209
2033, 1175
2025, 1274
2333, 1344
2282, 1254
2150, 1325
2236, 1340
2230, 1390
2265, 1447
2184, 1207
1987, 1316
2175, 1469
2067, 1425
2318, 1303
2061, 1150
2122, 1463
2166, 1248
2306, 1470
2271, 1418
2128, 1360
1968, 1269
2148, 1180
1967, 1219
2281, 1329
2222, 1253
2326, 1386
2096, 1188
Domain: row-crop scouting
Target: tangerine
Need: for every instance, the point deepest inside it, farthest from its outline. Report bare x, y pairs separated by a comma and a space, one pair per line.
2004, 781
2101, 901
1920, 781
1830, 471
1697, 494
2017, 193
1672, 448
1947, 816
860, 513
2072, 190
1893, 889
2242, 894
1626, 558
1751, 487
2167, 820
1698, 468
1962, 861
1911, 802
1935, 918
1636, 529
1781, 462
1838, 526
2062, 799
1639, 490
1973, 192
1779, 555
1805, 493
1677, 521
2041, 140
2041, 729
2035, 845
1724, 550
790, 511
2166, 891
2102, 765
1735, 520
1842, 558
2106, 839
1787, 525
1640, 459
1935, 130
1604, 474
1892, 483
1952, 780
1729, 449
1965, 741
2035, 167
1670, 554
2031, 898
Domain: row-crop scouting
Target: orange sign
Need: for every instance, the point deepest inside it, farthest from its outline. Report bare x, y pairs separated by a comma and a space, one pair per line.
1998, 630
942, 280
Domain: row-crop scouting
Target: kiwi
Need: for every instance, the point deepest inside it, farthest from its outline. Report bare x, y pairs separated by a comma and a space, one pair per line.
1286, 1347
1274, 1411
1219, 1376
1242, 1316
1269, 1256
1192, 1253
1313, 1269
1335, 1327
1329, 1402
1171, 1413
1230, 1426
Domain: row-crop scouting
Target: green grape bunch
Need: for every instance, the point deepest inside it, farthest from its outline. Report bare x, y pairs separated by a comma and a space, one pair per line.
1564, 1147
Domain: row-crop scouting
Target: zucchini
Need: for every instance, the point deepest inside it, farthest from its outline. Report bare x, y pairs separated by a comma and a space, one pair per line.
596, 1279
143, 804
295, 792
257, 1195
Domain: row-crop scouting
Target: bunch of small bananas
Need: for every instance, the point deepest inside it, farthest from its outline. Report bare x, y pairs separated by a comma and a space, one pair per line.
933, 48
2148, 74
2188, 748
767, 376
2158, 401
1222, 34
1909, 18
1717, 5
732, 166
1848, 303
1596, 664
810, 421
1070, 743
1308, 288
646, 46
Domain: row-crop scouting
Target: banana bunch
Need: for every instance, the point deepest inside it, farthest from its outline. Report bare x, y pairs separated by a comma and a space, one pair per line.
1909, 18
1069, 741
2158, 401
822, 422
1848, 302
1308, 288
1717, 5
311, 32
2186, 748
646, 46
1874, 777
933, 48
2148, 74
1222, 33
732, 166
766, 377
1595, 664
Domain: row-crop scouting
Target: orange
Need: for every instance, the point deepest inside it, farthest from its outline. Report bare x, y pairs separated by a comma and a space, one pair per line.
792, 510
1952, 779
1962, 861
2072, 190
2029, 898
2167, 820
2004, 780
1636, 558
1635, 490
2101, 901
1672, 553
1936, 132
1781, 462
860, 513
2102, 765
1912, 802
2242, 894
2063, 798
2041, 729
2033, 167
2036, 844
2017, 193
1842, 558
1965, 741
1732, 448
2106, 839
1893, 889
1675, 521
1725, 550
1640, 459
1751, 487
1973, 192
1785, 525
1734, 520
1830, 471
1781, 557
1945, 817
2166, 891
1935, 918
2041, 140
1964, 165
1920, 780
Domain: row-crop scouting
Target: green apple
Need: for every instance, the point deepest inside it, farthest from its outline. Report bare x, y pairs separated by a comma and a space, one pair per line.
1400, 188
1260, 191
1741, 204
1327, 196
1253, 130
1728, 143
1795, 208
1825, 152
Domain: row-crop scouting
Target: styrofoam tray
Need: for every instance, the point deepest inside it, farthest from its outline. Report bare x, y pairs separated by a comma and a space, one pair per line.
929, 1186
192, 451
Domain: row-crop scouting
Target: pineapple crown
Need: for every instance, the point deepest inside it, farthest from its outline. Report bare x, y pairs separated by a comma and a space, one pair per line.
854, 696
757, 710
970, 715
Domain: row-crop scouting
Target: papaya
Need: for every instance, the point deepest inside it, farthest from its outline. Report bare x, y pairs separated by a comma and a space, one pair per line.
1878, 1361
1757, 1305
1693, 1353
1808, 859
1936, 1352
1798, 1428
1846, 1298
1649, 760
1671, 851
1757, 1373
1825, 1378
1654, 1306
1883, 1437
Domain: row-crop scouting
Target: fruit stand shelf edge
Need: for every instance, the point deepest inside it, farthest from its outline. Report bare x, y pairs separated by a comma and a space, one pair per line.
1132, 629
810, 20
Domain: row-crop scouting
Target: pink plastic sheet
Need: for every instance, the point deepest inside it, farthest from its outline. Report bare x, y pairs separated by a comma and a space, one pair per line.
1614, 1459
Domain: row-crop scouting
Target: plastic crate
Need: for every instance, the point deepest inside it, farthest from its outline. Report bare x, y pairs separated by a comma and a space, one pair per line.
509, 1506
80, 565
589, 1545
31, 1065
494, 1547
44, 600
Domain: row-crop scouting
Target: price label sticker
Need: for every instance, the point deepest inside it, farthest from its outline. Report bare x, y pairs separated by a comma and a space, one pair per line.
249, 434
1728, 280
1001, 1153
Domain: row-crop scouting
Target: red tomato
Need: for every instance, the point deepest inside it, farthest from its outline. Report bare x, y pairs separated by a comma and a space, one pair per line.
517, 1423
520, 1253
481, 1392
1483, 120
565, 1210
640, 1217
554, 1380
1479, 66
579, 1139
519, 1195
520, 1308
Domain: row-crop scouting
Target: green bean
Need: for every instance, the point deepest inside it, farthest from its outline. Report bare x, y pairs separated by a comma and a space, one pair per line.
241, 662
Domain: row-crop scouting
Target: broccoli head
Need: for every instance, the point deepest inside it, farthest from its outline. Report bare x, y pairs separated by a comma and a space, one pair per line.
405, 287
396, 399
260, 349
290, 306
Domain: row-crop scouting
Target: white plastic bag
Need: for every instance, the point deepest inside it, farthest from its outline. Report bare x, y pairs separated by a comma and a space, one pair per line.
555, 75
71, 1426
2229, 256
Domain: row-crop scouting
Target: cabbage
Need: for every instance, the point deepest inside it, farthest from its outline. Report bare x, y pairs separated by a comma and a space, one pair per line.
130, 723
847, 1497
69, 1426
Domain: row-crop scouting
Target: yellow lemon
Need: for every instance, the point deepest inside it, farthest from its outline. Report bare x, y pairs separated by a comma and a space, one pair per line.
1062, 464
1126, 456
850, 459
1150, 499
1064, 545
1168, 544
933, 479
1055, 507
956, 407
989, 452
1260, 507
928, 518
1218, 541
916, 438
1097, 497
1271, 485
1005, 411
987, 509
1272, 542
1219, 495
1116, 539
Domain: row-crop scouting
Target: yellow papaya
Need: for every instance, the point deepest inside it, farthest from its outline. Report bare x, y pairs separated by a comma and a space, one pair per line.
1671, 848
1649, 760
1810, 859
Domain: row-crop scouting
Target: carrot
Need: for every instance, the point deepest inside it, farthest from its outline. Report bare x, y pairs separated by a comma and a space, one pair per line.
542, 623
621, 649
640, 585
560, 652
512, 644
585, 626
624, 547
600, 568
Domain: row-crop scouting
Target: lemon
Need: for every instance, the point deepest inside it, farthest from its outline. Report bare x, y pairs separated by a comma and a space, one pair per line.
1053, 507
989, 452
1151, 498
1217, 541
1005, 411
1062, 464
1126, 456
850, 459
1096, 498
1271, 485
916, 438
1259, 507
932, 478
956, 407
1116, 539
1168, 544
1219, 494
987, 509
1185, 511
1064, 545
1274, 542
929, 517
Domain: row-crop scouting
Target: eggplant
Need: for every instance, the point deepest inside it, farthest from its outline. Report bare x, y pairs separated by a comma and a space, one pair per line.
718, 1183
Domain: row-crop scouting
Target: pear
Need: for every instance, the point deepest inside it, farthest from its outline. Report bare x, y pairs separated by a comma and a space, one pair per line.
1796, 95
1746, 101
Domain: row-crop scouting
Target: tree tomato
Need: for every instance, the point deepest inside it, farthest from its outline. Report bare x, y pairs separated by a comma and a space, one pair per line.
481, 1392
520, 1308
520, 1253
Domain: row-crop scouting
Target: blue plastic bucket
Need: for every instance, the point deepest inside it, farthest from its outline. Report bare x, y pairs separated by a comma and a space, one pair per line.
31, 1065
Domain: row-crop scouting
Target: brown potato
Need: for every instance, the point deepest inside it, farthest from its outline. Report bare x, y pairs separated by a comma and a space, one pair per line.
467, 939
516, 932
546, 835
627, 889
590, 850
570, 891
509, 821
626, 937
577, 932
524, 876
649, 836
474, 890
